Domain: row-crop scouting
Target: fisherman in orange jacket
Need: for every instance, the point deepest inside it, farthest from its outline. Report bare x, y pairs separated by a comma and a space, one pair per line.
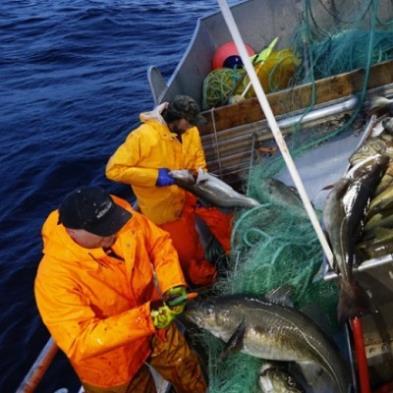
98, 290
168, 139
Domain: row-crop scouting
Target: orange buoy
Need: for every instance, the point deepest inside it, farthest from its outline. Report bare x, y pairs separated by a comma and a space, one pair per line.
227, 56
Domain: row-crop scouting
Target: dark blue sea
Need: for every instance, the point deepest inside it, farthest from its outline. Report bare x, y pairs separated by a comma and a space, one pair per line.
72, 83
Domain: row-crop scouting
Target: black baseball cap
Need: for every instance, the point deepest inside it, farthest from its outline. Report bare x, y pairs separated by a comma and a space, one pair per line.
92, 209
186, 107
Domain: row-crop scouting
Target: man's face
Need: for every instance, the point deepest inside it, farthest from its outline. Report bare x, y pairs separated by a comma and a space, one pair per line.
180, 126
90, 240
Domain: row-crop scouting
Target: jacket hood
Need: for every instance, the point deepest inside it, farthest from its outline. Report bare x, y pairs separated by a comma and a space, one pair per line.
61, 246
155, 114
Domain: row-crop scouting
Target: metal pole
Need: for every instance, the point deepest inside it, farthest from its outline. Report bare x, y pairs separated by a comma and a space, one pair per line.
38, 369
265, 106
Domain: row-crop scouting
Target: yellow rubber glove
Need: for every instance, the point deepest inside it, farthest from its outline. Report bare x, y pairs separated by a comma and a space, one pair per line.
176, 299
161, 315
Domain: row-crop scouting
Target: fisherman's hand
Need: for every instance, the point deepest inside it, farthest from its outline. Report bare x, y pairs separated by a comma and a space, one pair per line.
176, 299
161, 315
164, 178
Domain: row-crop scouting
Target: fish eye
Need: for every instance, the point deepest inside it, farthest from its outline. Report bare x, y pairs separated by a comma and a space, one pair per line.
209, 308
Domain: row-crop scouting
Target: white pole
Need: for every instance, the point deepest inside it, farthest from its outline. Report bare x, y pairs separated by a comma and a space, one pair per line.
265, 106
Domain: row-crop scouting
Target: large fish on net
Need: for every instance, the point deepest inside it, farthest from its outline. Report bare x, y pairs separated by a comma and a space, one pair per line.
270, 331
342, 216
279, 193
211, 189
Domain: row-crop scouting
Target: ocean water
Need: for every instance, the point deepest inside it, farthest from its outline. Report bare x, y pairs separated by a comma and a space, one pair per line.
72, 83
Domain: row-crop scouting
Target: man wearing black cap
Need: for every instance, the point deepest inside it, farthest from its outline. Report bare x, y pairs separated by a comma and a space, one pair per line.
168, 139
98, 290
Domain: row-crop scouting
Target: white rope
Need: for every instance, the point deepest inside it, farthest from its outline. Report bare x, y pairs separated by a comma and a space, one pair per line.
216, 140
265, 106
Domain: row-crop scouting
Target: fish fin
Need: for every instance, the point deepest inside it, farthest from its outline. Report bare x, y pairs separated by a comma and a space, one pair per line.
377, 103
281, 295
353, 301
293, 189
327, 187
326, 233
314, 376
202, 176
235, 343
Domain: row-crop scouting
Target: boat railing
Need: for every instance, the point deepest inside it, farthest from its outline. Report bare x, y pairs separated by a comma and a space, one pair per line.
44, 360
38, 369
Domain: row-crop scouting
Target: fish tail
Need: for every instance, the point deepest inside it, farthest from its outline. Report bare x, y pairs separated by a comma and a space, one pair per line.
353, 301
378, 103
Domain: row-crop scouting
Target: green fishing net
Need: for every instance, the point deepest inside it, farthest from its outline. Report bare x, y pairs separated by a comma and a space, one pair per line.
219, 85
275, 244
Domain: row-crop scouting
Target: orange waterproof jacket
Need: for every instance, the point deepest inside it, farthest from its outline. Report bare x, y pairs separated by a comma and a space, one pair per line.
96, 307
147, 148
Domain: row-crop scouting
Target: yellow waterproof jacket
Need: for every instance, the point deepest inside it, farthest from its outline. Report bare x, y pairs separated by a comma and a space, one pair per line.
97, 308
147, 148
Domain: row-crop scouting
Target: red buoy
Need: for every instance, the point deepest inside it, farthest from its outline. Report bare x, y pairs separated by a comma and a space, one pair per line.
227, 55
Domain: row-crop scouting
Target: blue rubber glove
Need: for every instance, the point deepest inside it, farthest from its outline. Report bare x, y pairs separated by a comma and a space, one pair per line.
164, 178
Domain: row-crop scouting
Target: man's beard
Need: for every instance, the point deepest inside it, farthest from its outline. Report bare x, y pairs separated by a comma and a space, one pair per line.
177, 130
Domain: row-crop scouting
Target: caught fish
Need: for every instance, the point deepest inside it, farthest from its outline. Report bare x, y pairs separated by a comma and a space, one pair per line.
382, 219
213, 250
371, 147
380, 127
388, 125
281, 194
378, 103
386, 181
343, 213
379, 235
274, 379
364, 178
368, 250
381, 202
270, 331
211, 189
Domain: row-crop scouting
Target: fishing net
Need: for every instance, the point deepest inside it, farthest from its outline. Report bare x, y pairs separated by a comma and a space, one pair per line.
219, 85
275, 244
224, 85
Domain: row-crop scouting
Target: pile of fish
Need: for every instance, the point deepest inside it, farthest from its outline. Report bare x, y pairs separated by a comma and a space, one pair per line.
273, 331
358, 214
377, 233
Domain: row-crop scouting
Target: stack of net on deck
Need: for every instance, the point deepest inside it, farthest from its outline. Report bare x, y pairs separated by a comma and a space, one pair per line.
275, 244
